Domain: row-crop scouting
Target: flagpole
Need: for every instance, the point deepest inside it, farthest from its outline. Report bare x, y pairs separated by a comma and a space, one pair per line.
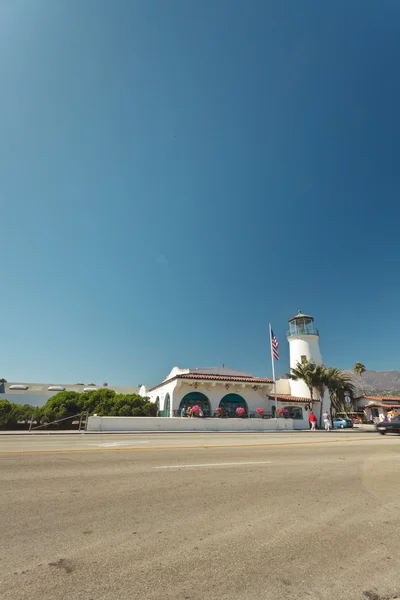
273, 370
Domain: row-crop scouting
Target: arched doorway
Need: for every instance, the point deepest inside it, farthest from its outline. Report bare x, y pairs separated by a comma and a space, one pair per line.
194, 398
231, 402
166, 412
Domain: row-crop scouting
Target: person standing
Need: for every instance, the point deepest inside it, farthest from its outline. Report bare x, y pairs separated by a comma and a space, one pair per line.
312, 419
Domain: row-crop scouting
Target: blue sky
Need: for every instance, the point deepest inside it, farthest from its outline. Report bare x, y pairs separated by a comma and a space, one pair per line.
174, 175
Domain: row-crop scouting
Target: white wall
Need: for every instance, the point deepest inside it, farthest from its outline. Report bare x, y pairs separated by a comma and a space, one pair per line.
283, 386
161, 393
382, 411
120, 424
254, 398
299, 423
307, 345
214, 391
304, 345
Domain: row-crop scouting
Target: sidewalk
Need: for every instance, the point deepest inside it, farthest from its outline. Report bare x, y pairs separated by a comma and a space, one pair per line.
355, 430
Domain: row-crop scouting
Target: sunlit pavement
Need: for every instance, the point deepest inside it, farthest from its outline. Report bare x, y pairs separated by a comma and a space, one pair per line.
90, 442
200, 516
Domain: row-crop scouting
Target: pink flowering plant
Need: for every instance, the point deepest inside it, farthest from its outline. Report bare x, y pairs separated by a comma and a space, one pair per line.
283, 412
240, 411
196, 410
260, 412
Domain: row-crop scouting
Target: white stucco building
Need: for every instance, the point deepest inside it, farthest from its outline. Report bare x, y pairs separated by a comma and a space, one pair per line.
215, 387
210, 388
37, 394
378, 407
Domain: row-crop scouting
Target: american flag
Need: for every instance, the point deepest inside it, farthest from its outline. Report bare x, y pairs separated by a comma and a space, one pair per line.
275, 346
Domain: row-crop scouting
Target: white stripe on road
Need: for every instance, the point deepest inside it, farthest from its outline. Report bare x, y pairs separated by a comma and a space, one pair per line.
118, 444
230, 464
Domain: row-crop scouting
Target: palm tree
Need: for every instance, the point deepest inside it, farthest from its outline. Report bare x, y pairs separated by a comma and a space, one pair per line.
311, 374
321, 385
320, 380
359, 369
338, 385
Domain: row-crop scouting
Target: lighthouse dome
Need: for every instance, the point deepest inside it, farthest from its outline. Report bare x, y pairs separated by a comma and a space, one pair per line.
301, 315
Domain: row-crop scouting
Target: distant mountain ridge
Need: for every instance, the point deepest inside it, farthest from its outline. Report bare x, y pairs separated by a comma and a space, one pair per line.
385, 383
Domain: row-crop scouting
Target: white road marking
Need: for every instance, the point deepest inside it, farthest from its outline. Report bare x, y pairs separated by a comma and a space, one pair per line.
230, 464
117, 444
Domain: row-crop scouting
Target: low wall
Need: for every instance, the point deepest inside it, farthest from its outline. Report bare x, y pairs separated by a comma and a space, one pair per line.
301, 423
185, 424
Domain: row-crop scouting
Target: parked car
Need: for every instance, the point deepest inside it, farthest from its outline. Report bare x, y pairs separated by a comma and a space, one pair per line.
392, 426
342, 423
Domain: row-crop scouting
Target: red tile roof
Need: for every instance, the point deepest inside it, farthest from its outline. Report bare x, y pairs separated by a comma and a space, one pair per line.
238, 378
382, 398
223, 378
290, 398
380, 405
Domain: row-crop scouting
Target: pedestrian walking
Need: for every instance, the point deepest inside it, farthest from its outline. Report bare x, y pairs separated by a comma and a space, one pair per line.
312, 419
327, 421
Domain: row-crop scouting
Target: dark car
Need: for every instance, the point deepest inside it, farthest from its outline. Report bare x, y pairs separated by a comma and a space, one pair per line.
392, 426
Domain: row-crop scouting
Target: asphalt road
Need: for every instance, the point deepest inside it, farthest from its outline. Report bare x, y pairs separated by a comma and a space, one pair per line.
76, 442
195, 517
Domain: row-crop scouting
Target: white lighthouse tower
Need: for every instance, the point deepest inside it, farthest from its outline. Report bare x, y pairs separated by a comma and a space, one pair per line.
303, 338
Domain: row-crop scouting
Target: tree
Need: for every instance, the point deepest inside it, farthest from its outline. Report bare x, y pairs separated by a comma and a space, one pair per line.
12, 414
103, 402
7, 418
24, 412
339, 384
312, 375
61, 406
98, 401
320, 380
321, 386
122, 405
359, 369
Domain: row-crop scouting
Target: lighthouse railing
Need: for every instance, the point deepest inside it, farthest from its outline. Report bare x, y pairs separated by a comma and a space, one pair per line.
302, 330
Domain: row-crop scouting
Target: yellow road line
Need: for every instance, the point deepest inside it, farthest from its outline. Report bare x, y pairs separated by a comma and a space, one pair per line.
211, 446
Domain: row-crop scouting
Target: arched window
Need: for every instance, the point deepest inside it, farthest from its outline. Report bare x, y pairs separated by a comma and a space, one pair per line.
273, 411
194, 398
167, 405
231, 402
166, 412
294, 412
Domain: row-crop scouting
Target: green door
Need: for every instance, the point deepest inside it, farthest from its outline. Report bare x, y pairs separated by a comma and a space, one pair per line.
167, 407
194, 398
231, 402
